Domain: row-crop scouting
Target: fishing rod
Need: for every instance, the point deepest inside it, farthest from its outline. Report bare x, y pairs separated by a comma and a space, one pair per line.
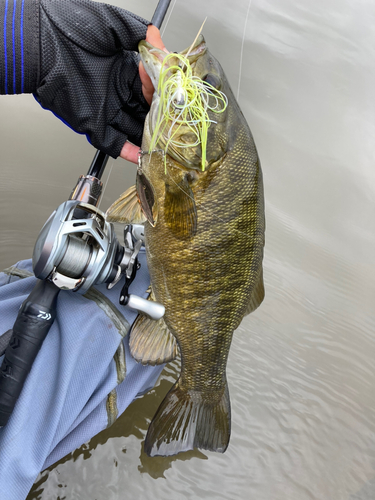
75, 249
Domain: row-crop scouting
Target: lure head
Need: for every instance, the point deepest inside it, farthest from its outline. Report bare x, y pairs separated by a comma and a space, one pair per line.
188, 118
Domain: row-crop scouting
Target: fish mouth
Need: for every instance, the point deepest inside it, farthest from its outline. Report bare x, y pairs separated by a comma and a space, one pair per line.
152, 57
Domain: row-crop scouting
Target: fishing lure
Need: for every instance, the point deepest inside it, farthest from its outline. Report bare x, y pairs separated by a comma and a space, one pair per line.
185, 100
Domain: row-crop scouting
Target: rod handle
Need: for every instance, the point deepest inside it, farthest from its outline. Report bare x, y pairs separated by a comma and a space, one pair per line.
35, 318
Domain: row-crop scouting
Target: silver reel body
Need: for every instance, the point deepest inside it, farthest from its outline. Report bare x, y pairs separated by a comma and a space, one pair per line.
77, 248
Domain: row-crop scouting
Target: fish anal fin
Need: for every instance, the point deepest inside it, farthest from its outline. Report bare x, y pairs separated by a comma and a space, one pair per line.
180, 210
257, 295
127, 209
150, 341
189, 419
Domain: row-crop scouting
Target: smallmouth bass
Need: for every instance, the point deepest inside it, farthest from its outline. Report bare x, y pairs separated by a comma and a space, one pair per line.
204, 242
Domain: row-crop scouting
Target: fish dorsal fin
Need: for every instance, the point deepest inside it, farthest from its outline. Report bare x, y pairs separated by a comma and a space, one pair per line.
127, 209
180, 210
257, 295
150, 341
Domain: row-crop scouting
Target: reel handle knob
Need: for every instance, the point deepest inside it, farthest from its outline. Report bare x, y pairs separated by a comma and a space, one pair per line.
149, 308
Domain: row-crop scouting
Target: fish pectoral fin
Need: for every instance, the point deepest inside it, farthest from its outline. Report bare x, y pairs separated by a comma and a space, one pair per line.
127, 209
189, 419
180, 210
150, 341
257, 295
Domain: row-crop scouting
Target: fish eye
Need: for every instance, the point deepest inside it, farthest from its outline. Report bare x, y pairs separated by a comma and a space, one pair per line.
212, 80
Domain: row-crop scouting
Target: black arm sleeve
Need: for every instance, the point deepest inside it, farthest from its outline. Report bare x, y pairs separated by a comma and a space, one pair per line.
79, 59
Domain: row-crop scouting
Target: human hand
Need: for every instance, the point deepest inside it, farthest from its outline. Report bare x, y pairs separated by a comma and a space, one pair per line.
89, 72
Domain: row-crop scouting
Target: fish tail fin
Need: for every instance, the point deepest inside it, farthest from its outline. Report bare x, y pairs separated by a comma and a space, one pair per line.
189, 419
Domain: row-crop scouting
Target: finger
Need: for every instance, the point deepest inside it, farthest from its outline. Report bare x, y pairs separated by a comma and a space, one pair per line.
153, 37
147, 87
130, 152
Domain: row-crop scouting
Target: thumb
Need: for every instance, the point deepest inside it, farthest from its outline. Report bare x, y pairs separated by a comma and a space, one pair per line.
153, 36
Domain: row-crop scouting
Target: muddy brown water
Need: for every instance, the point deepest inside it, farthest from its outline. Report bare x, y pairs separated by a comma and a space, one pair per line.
301, 368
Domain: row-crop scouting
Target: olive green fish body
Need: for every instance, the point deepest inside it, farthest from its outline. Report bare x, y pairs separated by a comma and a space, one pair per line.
206, 281
204, 247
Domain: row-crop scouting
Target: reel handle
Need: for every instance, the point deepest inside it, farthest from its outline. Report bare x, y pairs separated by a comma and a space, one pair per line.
33, 322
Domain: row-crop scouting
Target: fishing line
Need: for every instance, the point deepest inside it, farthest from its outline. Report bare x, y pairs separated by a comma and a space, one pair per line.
170, 13
242, 46
105, 186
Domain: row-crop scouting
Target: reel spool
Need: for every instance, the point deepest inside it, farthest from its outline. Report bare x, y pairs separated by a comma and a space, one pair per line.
76, 253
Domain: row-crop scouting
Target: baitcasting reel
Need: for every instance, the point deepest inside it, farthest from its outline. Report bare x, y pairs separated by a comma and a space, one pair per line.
77, 248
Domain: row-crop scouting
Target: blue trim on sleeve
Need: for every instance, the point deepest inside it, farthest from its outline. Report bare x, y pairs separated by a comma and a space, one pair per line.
5, 47
62, 119
14, 46
21, 29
